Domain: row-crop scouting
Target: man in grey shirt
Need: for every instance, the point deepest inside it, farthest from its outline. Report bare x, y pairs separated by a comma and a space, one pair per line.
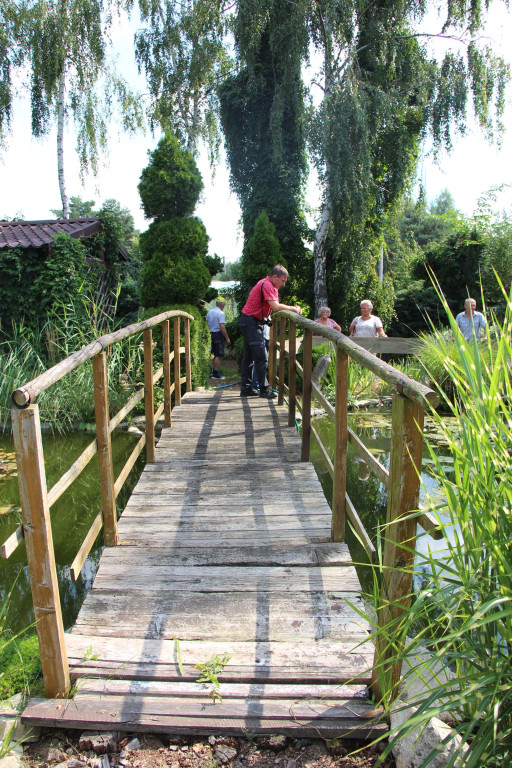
470, 319
216, 321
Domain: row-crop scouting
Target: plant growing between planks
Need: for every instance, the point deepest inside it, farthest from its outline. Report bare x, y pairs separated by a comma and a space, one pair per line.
210, 672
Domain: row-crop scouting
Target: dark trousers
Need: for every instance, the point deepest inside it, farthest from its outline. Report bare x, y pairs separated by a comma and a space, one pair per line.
255, 352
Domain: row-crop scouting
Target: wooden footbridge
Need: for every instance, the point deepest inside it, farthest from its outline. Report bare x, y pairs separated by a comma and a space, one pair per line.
227, 562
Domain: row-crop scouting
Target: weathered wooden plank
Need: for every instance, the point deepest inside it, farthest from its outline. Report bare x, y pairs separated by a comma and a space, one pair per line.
166, 524
93, 685
332, 553
230, 578
148, 714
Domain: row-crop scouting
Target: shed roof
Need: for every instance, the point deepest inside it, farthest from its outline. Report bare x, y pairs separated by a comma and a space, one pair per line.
34, 234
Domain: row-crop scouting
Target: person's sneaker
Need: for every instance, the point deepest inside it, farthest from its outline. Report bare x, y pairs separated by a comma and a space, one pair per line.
268, 394
249, 392
216, 375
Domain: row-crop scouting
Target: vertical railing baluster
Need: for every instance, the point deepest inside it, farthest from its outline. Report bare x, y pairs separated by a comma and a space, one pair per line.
149, 405
399, 536
282, 352
177, 365
167, 373
272, 358
40, 552
292, 370
105, 463
340, 447
306, 394
188, 368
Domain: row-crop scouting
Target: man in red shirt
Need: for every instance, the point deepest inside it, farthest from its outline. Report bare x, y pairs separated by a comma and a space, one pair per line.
262, 300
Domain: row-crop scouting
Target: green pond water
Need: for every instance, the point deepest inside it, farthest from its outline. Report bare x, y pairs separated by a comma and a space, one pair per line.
366, 492
72, 515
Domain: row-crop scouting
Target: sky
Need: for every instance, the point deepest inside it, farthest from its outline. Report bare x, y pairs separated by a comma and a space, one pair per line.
29, 184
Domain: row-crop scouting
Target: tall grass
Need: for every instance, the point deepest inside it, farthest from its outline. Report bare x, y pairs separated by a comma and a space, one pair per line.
26, 352
461, 617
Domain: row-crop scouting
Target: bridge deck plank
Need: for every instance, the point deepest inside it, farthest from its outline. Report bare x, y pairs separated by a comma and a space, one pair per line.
224, 544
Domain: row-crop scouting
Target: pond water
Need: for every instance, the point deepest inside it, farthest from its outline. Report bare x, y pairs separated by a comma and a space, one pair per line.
72, 515
366, 492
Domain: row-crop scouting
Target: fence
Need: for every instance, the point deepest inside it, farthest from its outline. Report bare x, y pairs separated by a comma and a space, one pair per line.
36, 499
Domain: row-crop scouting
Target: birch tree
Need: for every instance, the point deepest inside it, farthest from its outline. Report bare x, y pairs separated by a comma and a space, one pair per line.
67, 45
182, 51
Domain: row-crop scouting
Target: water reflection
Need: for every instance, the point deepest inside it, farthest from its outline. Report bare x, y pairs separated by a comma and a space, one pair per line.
72, 515
367, 493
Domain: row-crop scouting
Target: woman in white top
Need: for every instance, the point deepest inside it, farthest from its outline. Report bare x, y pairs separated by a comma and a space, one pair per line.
367, 324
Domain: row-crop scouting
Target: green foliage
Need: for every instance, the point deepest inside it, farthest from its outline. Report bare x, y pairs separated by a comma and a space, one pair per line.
174, 248
262, 112
233, 271
170, 184
20, 665
44, 278
210, 671
464, 605
182, 50
261, 253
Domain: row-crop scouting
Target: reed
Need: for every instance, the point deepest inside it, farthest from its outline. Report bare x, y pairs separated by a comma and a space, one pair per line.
460, 618
26, 352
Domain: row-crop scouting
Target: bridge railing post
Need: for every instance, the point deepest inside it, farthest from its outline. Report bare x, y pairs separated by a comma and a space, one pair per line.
306, 394
399, 538
340, 447
149, 404
292, 371
167, 373
106, 467
40, 552
188, 367
272, 356
282, 353
177, 365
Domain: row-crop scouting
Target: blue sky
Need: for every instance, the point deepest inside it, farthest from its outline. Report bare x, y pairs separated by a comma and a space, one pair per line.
29, 171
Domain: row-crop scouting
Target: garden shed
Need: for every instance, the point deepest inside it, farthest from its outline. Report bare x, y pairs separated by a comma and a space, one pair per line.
26, 246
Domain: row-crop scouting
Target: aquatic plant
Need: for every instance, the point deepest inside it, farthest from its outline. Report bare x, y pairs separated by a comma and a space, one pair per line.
461, 617
26, 352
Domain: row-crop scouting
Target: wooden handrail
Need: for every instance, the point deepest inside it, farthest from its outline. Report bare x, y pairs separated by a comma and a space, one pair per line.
23, 396
411, 389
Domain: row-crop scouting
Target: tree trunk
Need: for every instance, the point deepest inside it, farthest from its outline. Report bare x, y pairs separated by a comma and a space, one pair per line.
60, 145
320, 255
319, 248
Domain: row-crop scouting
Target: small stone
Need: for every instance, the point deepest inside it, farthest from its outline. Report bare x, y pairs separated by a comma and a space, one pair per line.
173, 747
184, 748
225, 754
211, 740
75, 763
56, 755
133, 744
197, 748
275, 742
98, 742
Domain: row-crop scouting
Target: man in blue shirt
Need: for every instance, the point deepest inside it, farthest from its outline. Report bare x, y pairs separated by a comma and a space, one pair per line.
216, 321
470, 319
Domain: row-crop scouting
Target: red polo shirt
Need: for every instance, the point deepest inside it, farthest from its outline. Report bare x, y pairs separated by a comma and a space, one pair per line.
253, 303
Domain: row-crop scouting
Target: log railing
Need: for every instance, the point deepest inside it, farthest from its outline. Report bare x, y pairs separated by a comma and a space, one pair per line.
36, 499
403, 477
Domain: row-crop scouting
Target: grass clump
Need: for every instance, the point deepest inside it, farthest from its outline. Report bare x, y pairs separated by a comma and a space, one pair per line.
20, 665
461, 617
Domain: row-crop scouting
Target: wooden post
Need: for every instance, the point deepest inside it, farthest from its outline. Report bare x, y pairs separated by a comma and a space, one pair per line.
149, 405
177, 368
188, 370
167, 373
272, 357
306, 394
292, 390
282, 342
340, 448
400, 536
106, 468
40, 554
